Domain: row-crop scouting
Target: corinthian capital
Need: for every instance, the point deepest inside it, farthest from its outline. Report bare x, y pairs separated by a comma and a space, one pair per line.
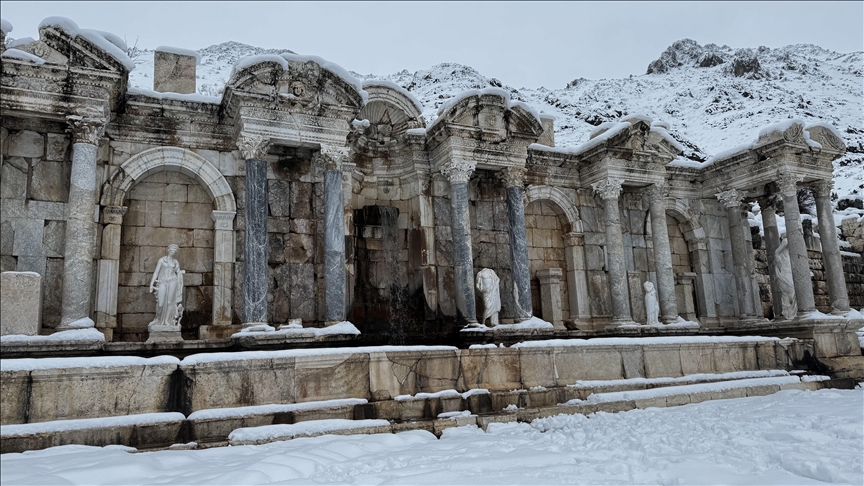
512, 176
823, 188
331, 159
656, 192
253, 146
608, 188
730, 198
788, 183
458, 170
87, 126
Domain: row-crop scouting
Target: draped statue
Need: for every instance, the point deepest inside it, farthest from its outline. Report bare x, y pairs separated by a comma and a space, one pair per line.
783, 265
167, 283
487, 284
652, 309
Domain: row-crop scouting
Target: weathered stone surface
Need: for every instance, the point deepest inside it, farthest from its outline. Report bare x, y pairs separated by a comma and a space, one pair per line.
14, 181
21, 303
25, 143
57, 147
50, 181
173, 73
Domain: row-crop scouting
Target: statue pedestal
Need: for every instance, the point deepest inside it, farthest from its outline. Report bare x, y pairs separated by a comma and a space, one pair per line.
164, 334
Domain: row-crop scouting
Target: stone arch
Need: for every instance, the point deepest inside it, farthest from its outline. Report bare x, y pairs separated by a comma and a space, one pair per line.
562, 202
697, 246
115, 193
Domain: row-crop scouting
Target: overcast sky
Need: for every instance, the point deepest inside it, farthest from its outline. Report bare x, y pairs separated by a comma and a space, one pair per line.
523, 44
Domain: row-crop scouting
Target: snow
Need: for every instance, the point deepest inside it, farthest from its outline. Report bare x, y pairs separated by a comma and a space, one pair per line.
453, 415
311, 427
442, 394
292, 353
394, 86
791, 437
483, 92
340, 328
533, 323
83, 323
610, 132
5, 26
90, 334
251, 60
181, 52
23, 41
108, 42
222, 413
642, 341
732, 375
34, 274
30, 364
780, 126
79, 424
25, 56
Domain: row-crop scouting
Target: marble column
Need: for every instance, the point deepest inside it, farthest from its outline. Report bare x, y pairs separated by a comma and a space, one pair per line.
550, 295
610, 190
513, 179
334, 238
788, 184
108, 272
458, 172
772, 242
831, 258
256, 272
577, 279
223, 267
656, 195
732, 199
86, 131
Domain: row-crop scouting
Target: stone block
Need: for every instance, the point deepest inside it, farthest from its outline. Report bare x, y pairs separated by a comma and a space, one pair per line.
13, 184
158, 191
52, 291
437, 370
49, 181
174, 73
57, 147
25, 143
328, 377
239, 383
21, 303
656, 402
728, 358
697, 359
54, 239
14, 396
662, 361
492, 369
587, 363
765, 356
632, 361
677, 400
538, 367
135, 300
187, 215
28, 237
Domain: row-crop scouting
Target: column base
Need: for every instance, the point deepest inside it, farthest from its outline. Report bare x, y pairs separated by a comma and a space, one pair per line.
161, 334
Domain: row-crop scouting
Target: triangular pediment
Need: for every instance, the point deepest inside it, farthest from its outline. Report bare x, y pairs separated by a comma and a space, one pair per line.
80, 48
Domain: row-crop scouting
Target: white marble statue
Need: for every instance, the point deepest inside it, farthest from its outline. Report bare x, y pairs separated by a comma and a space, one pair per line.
784, 278
167, 283
487, 284
652, 309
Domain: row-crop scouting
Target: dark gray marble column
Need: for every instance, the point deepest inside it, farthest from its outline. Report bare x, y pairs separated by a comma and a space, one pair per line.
334, 241
86, 130
609, 191
458, 173
656, 195
788, 184
831, 258
732, 199
513, 179
256, 275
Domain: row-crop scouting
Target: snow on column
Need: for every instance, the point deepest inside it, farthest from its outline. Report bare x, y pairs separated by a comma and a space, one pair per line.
87, 128
732, 199
609, 191
788, 184
513, 179
458, 172
830, 248
656, 195
334, 237
256, 273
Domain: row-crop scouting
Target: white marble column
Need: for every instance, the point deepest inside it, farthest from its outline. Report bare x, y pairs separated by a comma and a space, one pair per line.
772, 242
788, 184
86, 131
732, 199
513, 179
577, 279
108, 272
610, 190
256, 275
458, 172
656, 195
831, 258
334, 238
223, 267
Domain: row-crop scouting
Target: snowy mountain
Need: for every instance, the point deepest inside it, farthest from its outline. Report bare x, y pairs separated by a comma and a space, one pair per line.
714, 97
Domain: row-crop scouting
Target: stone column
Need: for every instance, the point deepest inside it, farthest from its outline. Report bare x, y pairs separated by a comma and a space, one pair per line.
732, 199
788, 184
831, 258
656, 195
256, 272
334, 239
609, 191
223, 267
513, 179
458, 172
550, 295
577, 280
772, 242
86, 131
109, 270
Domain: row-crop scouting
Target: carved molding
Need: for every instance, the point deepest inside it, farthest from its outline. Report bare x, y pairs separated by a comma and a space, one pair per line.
458, 170
253, 146
224, 220
823, 187
608, 188
512, 176
113, 214
731, 198
87, 126
656, 192
788, 183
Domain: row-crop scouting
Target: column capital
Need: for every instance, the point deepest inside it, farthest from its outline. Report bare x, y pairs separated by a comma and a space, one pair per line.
331, 159
788, 183
87, 125
656, 192
113, 214
823, 188
224, 220
767, 202
608, 188
458, 170
512, 177
253, 146
731, 198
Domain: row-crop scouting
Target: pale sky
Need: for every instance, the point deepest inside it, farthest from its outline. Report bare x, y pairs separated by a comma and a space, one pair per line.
523, 44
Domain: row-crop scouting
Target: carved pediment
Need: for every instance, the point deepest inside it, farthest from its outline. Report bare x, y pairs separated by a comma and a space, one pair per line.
488, 115
64, 43
40, 49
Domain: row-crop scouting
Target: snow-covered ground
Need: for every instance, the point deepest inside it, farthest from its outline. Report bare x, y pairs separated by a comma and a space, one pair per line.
792, 437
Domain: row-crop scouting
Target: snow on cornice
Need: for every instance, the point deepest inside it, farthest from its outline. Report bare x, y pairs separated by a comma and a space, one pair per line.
24, 56
5, 26
395, 87
108, 42
486, 91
